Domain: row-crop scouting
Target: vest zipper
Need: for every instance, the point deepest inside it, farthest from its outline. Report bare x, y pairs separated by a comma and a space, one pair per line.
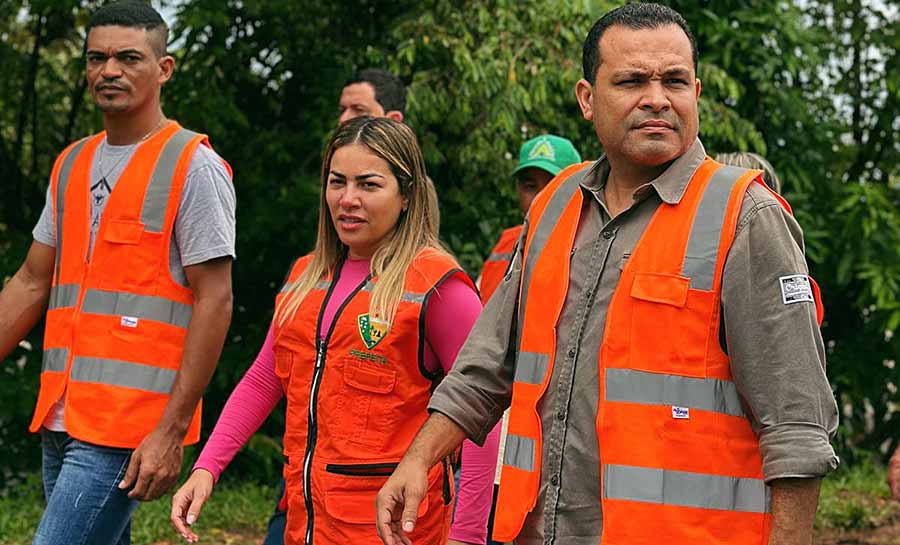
312, 423
311, 431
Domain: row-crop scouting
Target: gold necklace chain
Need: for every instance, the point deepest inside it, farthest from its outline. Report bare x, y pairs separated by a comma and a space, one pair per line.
127, 153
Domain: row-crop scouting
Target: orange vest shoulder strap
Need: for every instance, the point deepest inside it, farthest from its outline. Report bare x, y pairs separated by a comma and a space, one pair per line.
430, 268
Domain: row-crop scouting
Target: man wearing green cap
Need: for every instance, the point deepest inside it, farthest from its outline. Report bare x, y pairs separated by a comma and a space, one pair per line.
540, 159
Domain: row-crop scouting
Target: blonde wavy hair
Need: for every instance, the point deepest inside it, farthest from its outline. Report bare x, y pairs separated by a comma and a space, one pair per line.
416, 229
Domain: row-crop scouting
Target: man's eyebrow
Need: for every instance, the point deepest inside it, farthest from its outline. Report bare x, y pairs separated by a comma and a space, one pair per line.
631, 73
677, 71
130, 51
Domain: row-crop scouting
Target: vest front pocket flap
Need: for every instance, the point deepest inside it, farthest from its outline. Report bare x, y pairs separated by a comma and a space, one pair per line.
358, 507
284, 361
123, 231
370, 378
668, 289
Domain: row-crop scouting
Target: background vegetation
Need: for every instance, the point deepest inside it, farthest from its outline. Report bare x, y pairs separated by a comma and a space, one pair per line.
812, 85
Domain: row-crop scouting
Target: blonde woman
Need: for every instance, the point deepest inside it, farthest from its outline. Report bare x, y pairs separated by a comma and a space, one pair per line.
364, 328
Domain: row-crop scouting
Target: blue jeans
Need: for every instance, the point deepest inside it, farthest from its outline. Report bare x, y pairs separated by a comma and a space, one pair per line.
275, 535
84, 503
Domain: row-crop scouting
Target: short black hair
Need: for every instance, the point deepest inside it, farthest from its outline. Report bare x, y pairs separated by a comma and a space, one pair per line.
134, 14
637, 16
389, 90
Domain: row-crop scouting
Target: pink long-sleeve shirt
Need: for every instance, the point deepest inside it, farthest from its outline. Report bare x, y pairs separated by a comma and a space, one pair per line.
450, 314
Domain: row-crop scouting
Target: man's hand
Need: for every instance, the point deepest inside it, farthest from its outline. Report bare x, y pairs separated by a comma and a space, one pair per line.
189, 500
154, 466
397, 503
893, 476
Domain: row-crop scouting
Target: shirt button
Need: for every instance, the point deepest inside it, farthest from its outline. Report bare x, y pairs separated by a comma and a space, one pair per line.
561, 415
571, 352
554, 480
607, 235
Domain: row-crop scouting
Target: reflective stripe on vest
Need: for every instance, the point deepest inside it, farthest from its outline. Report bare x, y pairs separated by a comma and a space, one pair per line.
504, 257
63, 296
625, 385
703, 245
558, 202
153, 211
519, 452
145, 307
65, 171
685, 489
406, 296
123, 374
531, 367
55, 360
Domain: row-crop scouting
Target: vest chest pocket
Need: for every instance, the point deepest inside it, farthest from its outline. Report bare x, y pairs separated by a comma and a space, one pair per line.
129, 255
669, 325
367, 407
289, 368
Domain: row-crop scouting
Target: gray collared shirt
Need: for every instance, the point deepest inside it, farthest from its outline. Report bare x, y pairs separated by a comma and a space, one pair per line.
776, 350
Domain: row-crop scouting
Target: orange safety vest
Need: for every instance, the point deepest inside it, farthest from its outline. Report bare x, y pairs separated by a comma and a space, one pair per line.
355, 401
679, 459
116, 322
496, 264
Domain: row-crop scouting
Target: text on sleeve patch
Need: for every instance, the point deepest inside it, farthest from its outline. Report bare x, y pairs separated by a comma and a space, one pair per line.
796, 289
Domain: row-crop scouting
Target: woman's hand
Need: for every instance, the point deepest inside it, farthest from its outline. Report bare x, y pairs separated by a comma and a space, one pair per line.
189, 500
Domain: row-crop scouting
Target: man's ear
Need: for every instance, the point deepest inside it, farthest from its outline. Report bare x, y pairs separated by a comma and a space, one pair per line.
396, 115
584, 94
166, 68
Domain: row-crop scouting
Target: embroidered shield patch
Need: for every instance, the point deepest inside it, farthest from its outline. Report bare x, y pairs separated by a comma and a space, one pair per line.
371, 331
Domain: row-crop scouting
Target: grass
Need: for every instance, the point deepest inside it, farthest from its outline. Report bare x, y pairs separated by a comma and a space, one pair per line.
853, 499
236, 514
857, 498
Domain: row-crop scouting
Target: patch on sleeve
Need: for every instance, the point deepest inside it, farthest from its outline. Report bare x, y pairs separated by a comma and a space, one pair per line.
796, 289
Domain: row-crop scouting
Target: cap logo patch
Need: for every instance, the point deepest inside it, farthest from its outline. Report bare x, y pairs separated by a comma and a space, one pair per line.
543, 150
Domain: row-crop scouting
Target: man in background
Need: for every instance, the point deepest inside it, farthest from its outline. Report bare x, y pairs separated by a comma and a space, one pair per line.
540, 159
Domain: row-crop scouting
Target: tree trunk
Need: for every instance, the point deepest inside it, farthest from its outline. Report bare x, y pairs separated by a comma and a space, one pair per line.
28, 91
76, 100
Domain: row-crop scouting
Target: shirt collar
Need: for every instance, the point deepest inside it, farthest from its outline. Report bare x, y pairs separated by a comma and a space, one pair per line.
670, 185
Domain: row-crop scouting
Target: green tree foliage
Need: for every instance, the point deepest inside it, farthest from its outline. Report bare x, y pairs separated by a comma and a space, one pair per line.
813, 86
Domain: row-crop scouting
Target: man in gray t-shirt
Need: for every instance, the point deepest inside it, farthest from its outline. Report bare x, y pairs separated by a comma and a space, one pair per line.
139, 305
204, 224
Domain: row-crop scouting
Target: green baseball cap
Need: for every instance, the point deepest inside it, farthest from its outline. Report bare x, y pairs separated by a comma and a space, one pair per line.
547, 152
